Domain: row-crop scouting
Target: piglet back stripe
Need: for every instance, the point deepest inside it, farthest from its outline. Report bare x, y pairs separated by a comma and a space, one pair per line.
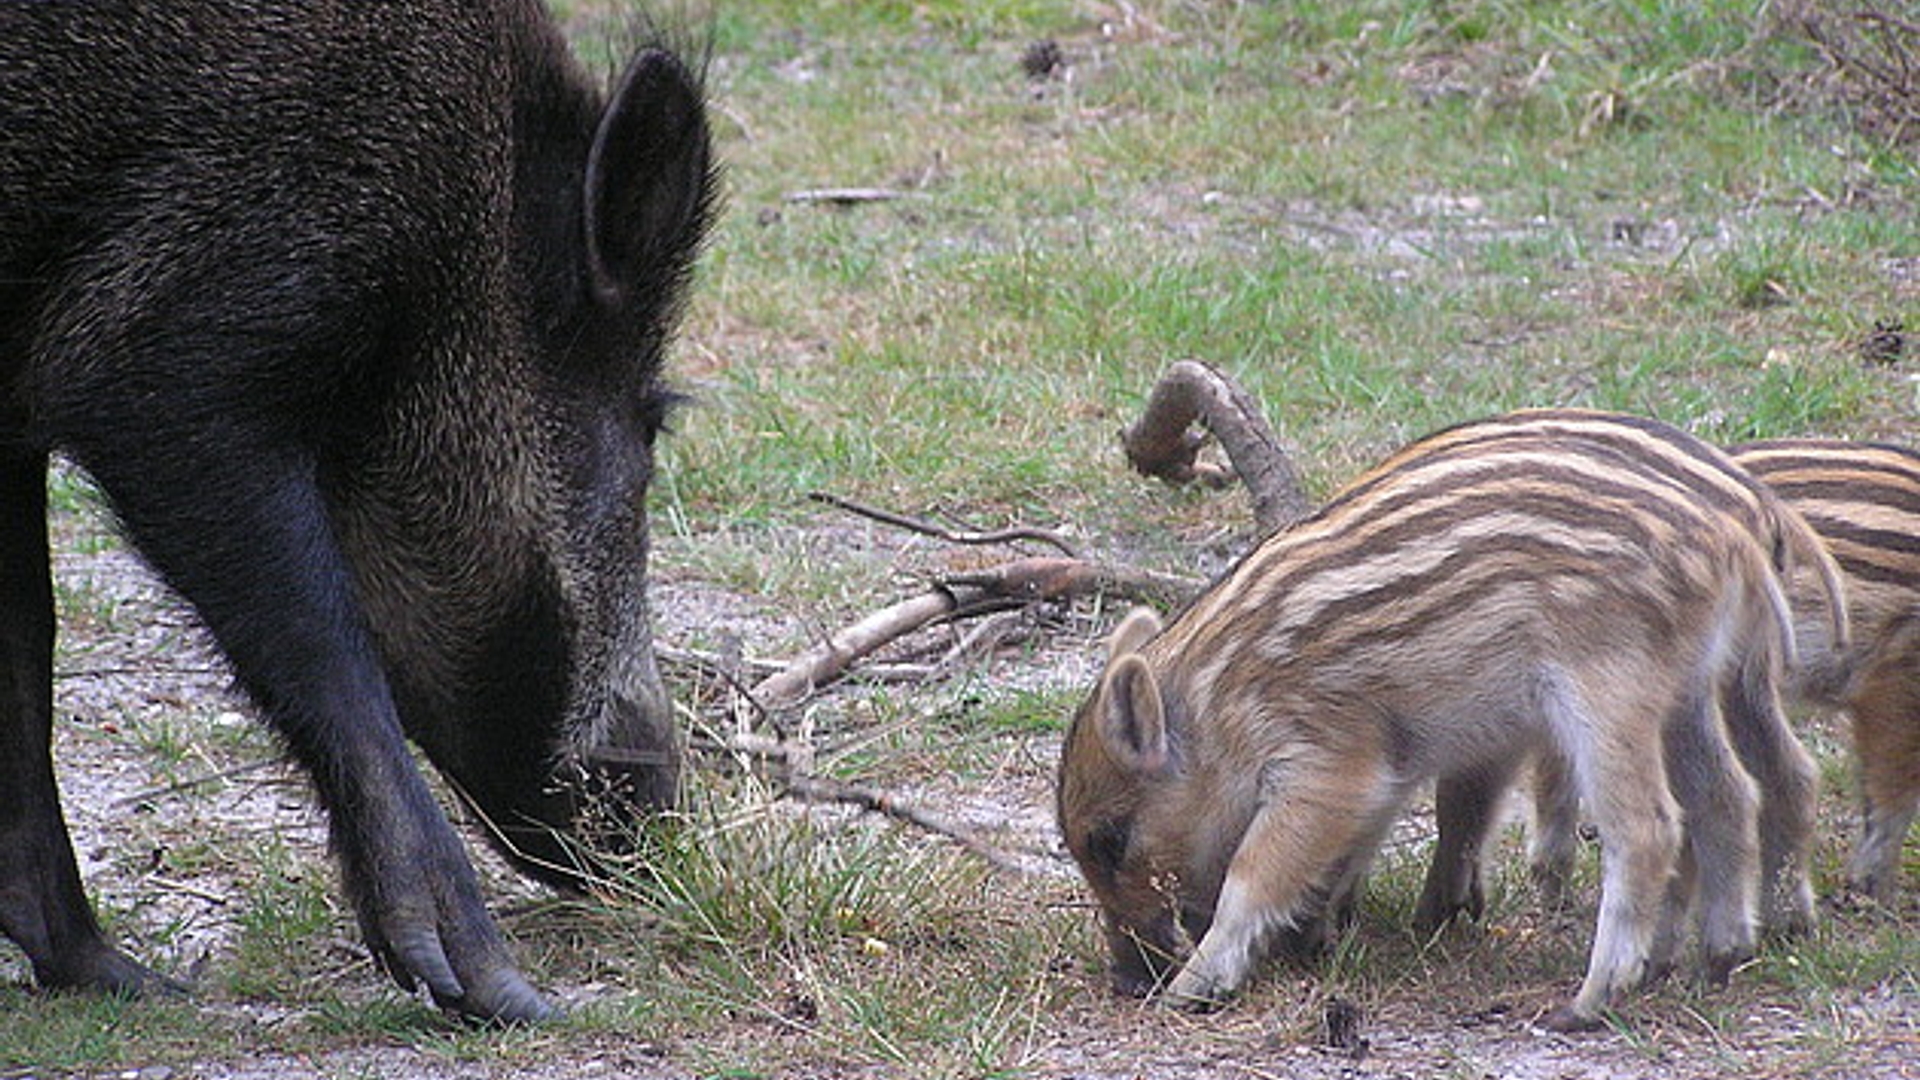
1862, 473
1574, 504
1591, 513
1688, 461
1862, 498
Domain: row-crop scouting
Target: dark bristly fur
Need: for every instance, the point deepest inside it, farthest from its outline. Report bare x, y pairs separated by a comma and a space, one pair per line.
355, 312
1590, 584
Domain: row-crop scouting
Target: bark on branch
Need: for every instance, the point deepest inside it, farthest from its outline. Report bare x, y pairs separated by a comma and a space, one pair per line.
831, 657
1012, 584
1160, 444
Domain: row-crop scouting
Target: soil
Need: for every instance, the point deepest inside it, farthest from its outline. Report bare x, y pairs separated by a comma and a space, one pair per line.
132, 657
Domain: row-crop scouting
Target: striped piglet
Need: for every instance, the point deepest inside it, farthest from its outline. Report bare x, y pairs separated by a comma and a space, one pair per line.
1863, 500
1597, 587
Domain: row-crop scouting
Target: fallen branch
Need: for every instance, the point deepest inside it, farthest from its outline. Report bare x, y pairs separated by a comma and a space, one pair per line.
1013, 584
847, 196
1062, 579
830, 659
1160, 445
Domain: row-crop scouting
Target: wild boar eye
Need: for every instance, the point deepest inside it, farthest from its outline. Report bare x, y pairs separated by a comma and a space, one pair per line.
1107, 846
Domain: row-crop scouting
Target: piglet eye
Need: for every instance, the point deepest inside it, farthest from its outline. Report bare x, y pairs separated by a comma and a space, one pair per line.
1107, 846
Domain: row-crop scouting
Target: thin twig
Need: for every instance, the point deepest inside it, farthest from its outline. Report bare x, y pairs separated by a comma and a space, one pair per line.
113, 670
820, 789
190, 783
184, 889
712, 663
788, 763
983, 638
928, 528
728, 672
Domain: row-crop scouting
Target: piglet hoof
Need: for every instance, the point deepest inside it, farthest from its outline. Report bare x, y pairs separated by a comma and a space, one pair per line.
1792, 924
1198, 1006
1870, 887
1437, 911
1565, 1020
1862, 896
1430, 918
1190, 993
1551, 886
1720, 966
1658, 971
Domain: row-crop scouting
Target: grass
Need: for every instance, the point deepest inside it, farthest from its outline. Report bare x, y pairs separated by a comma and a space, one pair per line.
1381, 217
792, 920
1204, 192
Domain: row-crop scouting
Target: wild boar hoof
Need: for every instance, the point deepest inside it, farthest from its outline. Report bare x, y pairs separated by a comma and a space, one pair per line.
485, 987
1720, 966
107, 970
503, 997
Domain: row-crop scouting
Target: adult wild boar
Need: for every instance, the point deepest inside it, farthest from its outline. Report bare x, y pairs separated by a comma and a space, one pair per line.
355, 312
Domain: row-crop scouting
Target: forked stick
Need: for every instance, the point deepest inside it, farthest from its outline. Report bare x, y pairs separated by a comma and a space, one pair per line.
1161, 444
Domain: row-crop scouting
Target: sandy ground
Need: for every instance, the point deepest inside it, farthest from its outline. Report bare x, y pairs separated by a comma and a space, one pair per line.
133, 658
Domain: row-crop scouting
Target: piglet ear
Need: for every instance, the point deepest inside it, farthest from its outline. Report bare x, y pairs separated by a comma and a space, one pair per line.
650, 181
1140, 626
1133, 718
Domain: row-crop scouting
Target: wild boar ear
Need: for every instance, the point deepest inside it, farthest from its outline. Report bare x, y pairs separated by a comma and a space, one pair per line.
1133, 719
650, 181
1139, 627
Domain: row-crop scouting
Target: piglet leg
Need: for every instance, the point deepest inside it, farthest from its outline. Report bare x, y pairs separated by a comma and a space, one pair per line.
1322, 813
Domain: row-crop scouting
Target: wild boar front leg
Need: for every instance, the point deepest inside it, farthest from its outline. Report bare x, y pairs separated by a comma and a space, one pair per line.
43, 906
1320, 817
264, 573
